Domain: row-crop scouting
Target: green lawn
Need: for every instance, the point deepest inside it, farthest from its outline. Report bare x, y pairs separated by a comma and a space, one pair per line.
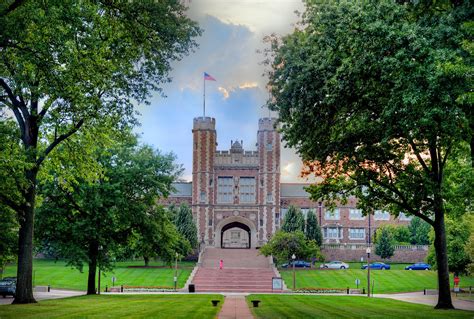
58, 275
298, 306
118, 306
386, 281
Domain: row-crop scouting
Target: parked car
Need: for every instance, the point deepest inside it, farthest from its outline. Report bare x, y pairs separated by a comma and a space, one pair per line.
381, 266
335, 265
418, 266
8, 286
298, 264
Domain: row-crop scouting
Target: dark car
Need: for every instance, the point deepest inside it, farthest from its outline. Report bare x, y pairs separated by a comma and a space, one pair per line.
8, 287
298, 264
380, 266
418, 266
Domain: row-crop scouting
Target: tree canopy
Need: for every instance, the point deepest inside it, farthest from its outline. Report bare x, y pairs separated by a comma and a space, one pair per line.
67, 66
313, 230
293, 220
363, 95
384, 245
88, 222
283, 245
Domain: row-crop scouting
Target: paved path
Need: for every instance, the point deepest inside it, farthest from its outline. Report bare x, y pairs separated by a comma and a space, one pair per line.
420, 298
53, 294
235, 307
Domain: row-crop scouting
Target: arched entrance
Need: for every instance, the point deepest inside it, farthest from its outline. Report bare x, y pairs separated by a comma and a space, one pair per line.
235, 232
236, 241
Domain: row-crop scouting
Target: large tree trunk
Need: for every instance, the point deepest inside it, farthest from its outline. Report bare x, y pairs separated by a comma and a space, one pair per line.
444, 294
26, 214
93, 253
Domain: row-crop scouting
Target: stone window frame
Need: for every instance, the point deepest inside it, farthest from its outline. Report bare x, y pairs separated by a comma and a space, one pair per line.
225, 192
334, 214
247, 192
381, 215
360, 232
351, 217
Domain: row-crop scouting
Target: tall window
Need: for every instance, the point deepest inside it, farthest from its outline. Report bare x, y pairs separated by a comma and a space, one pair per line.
356, 214
269, 198
332, 214
225, 189
332, 232
247, 189
381, 215
356, 233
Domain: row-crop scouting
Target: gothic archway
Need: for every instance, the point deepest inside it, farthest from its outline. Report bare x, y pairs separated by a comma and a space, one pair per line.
236, 225
242, 223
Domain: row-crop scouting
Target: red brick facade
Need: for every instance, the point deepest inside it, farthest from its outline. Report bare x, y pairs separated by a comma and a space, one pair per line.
218, 206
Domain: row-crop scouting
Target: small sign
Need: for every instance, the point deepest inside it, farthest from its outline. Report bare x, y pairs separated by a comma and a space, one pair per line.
357, 282
175, 278
277, 283
114, 280
456, 289
361, 259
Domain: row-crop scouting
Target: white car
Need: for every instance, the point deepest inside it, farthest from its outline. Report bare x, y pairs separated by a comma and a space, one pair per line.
335, 265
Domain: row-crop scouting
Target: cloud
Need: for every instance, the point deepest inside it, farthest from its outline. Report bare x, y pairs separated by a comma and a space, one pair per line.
224, 92
248, 85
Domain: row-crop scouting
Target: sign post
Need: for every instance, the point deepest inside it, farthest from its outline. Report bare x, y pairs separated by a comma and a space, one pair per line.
357, 282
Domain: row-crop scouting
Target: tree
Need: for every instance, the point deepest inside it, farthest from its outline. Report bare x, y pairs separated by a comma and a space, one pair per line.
69, 65
293, 221
183, 220
8, 238
419, 231
88, 222
384, 244
313, 231
457, 237
283, 245
362, 97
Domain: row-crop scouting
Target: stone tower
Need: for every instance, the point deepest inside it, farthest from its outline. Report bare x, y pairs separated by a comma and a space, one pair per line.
204, 149
268, 141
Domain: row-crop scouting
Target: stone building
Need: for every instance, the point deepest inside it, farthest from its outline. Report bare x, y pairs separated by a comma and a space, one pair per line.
238, 201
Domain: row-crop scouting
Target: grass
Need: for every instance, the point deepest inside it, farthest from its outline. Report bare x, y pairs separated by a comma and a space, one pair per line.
58, 275
298, 306
118, 306
386, 281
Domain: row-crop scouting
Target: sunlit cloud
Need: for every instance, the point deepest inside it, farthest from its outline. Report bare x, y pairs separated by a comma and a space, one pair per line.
224, 92
248, 85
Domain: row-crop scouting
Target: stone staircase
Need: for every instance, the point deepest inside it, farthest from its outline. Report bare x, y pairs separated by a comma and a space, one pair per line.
244, 271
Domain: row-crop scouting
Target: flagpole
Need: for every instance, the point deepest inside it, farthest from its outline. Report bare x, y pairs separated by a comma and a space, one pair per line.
204, 98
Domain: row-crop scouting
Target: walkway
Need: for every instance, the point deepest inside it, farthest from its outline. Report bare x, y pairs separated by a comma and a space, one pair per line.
431, 300
53, 294
235, 307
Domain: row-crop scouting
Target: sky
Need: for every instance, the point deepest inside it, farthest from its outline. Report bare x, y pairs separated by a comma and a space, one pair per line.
233, 33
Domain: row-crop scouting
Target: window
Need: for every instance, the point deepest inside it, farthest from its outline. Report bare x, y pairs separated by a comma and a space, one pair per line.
404, 217
357, 233
210, 222
332, 232
269, 198
225, 189
269, 146
202, 198
261, 222
247, 189
381, 215
283, 212
277, 218
356, 214
332, 214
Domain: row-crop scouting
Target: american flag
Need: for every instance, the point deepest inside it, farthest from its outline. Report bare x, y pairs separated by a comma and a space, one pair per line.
207, 77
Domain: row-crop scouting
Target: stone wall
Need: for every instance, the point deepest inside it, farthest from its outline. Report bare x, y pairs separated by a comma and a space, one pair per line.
401, 256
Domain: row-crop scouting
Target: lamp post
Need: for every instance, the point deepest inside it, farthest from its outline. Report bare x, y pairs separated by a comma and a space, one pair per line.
368, 270
176, 272
293, 257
